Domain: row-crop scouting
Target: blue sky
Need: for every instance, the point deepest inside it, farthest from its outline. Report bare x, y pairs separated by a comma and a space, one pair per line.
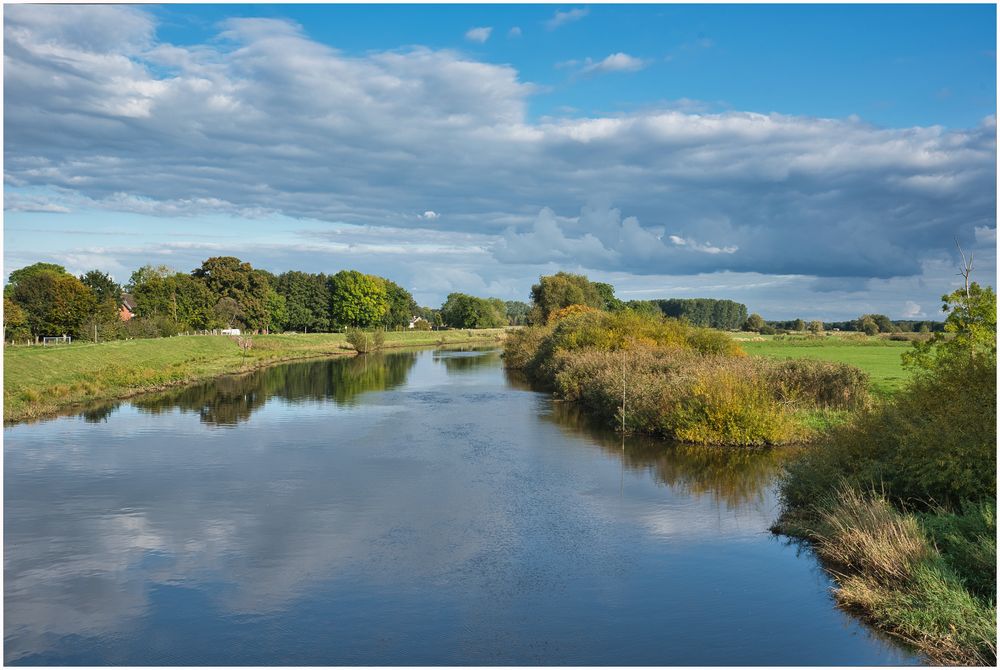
813, 161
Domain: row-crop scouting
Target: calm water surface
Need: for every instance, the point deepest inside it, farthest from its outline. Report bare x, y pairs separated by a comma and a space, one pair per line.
413, 508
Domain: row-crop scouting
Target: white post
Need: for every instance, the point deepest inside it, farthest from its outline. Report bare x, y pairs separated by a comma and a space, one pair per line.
623, 392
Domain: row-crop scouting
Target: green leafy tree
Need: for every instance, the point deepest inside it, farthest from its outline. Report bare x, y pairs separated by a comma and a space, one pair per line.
227, 312
431, 315
402, 307
31, 270
177, 297
105, 288
872, 324
972, 326
867, 325
799, 325
54, 303
15, 321
706, 312
108, 294
467, 311
307, 300
644, 307
517, 312
357, 300
754, 323
277, 311
229, 277
815, 327
553, 292
607, 293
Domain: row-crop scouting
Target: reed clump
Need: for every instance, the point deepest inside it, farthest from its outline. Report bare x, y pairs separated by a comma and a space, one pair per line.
890, 569
680, 382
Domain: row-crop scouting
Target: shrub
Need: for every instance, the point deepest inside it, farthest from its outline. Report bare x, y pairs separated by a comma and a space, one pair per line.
365, 342
818, 383
685, 383
677, 394
714, 342
729, 404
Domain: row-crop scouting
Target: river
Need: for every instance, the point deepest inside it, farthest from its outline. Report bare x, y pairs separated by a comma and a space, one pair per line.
414, 508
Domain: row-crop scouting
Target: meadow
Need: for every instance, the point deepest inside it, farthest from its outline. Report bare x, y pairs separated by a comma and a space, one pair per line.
39, 381
878, 356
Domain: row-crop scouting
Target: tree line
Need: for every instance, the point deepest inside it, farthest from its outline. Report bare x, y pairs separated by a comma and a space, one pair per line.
225, 292
869, 324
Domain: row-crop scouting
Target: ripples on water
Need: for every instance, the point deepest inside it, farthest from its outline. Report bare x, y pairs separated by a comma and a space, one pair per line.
398, 509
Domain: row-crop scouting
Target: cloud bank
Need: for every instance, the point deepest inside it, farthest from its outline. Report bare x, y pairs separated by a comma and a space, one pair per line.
263, 120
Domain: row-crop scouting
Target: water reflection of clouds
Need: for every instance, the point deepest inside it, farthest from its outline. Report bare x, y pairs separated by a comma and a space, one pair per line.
417, 487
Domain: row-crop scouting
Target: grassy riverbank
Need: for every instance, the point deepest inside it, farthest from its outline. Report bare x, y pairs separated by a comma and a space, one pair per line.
40, 381
900, 501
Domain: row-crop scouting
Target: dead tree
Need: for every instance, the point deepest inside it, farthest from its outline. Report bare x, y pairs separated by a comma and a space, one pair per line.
966, 266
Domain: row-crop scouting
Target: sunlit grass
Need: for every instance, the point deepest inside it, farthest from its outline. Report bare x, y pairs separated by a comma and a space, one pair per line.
41, 380
879, 357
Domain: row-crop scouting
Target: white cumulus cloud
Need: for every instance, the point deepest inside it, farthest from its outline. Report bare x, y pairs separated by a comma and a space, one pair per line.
912, 310
561, 18
616, 62
478, 34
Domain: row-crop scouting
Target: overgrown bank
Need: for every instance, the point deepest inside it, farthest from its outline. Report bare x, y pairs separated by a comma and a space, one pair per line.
40, 381
679, 382
901, 501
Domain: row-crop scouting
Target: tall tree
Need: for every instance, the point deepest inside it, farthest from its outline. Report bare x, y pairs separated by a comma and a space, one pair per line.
467, 311
357, 299
54, 303
15, 321
517, 312
31, 270
105, 288
553, 292
754, 323
402, 306
229, 277
307, 301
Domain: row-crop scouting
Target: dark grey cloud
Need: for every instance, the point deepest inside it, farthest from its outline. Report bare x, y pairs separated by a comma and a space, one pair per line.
264, 121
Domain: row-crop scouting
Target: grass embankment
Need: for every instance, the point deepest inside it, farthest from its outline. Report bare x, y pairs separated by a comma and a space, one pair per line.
40, 381
684, 383
900, 501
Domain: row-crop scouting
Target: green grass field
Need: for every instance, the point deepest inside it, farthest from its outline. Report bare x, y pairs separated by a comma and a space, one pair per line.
879, 357
39, 381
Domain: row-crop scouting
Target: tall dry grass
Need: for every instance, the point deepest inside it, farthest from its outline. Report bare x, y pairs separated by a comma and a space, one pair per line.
890, 571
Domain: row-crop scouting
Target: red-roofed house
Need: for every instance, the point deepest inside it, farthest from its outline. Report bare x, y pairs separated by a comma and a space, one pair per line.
127, 310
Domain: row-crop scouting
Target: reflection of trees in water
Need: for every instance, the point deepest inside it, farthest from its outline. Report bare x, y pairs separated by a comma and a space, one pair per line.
516, 379
463, 363
733, 475
229, 400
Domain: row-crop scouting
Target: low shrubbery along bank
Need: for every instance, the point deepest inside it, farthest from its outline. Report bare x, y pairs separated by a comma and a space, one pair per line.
680, 382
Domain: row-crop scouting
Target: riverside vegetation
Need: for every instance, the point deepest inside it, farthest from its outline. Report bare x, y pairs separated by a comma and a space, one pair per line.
901, 500
680, 382
897, 496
